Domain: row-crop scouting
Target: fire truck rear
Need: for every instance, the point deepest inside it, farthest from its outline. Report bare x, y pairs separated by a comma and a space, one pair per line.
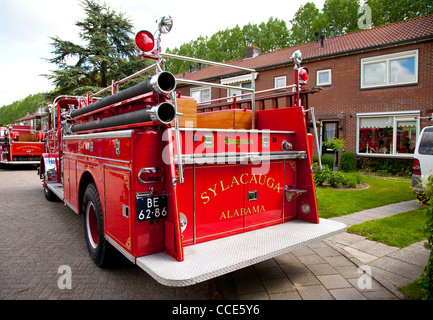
21, 145
186, 198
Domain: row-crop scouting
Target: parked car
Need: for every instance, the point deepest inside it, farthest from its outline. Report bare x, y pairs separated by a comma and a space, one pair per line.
423, 163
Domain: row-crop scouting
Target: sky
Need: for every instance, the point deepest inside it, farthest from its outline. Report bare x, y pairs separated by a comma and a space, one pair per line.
27, 25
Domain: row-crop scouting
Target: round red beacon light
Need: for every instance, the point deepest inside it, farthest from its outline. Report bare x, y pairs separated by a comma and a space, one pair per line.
303, 74
144, 41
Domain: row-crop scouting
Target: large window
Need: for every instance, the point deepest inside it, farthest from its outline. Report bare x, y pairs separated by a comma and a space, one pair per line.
389, 70
381, 134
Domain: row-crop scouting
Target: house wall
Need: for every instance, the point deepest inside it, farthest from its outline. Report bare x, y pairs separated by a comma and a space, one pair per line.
344, 98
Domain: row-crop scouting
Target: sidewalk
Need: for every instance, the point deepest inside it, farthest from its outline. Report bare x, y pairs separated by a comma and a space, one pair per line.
330, 269
390, 266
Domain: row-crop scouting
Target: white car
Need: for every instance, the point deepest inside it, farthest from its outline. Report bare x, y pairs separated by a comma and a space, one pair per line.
423, 163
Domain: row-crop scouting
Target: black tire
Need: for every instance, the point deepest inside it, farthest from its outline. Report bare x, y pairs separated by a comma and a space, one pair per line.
49, 195
101, 252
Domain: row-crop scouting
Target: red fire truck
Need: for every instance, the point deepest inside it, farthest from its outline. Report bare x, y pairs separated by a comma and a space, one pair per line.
22, 144
186, 198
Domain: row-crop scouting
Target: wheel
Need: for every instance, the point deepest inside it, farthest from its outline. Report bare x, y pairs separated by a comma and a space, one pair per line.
101, 252
49, 195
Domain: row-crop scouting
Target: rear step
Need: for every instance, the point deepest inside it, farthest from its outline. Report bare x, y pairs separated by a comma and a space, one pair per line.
214, 258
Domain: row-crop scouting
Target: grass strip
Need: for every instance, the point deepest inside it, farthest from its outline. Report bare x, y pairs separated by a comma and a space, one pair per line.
400, 230
381, 191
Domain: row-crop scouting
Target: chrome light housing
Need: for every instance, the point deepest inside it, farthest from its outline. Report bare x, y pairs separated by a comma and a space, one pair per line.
297, 57
165, 24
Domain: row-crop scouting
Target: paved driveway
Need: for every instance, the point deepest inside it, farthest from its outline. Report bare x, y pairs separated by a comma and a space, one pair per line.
42, 244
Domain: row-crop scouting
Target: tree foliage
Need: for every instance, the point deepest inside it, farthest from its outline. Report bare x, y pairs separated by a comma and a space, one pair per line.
230, 44
18, 109
108, 52
342, 15
390, 11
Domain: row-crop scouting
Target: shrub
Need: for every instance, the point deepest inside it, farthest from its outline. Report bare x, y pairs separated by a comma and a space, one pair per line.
348, 161
328, 160
427, 276
336, 178
352, 179
399, 167
322, 175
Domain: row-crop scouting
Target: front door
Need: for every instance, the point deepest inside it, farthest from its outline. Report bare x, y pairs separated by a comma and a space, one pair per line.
329, 130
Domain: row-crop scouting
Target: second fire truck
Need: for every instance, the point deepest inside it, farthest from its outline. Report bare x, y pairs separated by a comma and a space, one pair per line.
22, 144
184, 200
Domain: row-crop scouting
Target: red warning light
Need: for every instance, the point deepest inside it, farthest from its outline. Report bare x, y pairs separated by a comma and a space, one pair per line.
303, 74
144, 41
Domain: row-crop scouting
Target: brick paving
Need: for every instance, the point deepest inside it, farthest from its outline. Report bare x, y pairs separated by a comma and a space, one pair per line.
37, 237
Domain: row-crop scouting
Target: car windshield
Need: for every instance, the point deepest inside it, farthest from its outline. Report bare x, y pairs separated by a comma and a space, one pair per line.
426, 144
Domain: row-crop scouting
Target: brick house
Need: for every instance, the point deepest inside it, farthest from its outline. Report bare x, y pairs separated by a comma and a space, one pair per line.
376, 85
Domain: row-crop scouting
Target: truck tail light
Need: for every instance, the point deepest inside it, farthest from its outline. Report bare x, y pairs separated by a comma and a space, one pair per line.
148, 175
416, 167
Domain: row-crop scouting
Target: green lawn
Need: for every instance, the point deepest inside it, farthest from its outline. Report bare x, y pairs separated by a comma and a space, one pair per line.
400, 230
382, 191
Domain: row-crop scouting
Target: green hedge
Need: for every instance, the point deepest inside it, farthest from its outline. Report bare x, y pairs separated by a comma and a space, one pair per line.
397, 167
348, 162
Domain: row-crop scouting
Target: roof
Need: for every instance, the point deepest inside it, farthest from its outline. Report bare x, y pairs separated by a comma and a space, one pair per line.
29, 116
395, 33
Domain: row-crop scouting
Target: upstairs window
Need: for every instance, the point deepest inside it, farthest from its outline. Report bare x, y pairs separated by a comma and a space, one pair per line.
280, 82
201, 94
323, 77
390, 70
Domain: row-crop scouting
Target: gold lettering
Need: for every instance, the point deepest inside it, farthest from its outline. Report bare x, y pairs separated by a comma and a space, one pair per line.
234, 180
260, 180
214, 190
272, 182
245, 174
222, 186
253, 178
277, 187
204, 196
242, 212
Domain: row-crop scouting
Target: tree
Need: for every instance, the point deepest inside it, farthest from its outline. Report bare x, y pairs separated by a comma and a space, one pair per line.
230, 44
390, 11
342, 15
108, 52
302, 23
18, 109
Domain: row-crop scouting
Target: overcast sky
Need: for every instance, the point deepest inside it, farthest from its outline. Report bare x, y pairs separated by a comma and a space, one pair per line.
26, 25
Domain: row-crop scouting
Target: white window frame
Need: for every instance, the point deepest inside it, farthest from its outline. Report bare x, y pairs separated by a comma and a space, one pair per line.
318, 72
277, 79
231, 92
398, 116
201, 89
387, 60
